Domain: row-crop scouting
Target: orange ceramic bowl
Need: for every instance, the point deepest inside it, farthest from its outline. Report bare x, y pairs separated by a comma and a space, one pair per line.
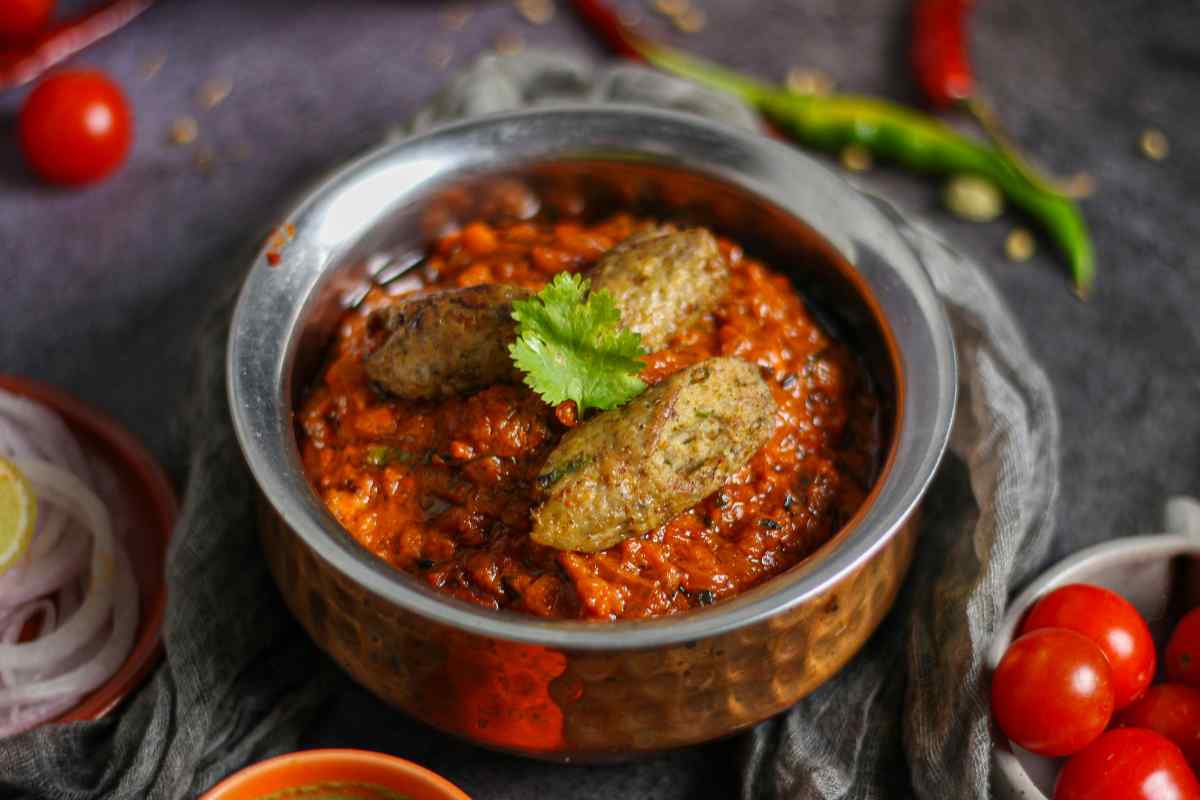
156, 506
283, 775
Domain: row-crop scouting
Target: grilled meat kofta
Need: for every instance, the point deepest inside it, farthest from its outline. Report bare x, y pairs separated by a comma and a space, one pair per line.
663, 282
447, 343
456, 341
631, 469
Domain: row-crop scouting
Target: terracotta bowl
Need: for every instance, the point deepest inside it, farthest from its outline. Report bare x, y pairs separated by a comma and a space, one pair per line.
154, 506
1159, 574
283, 776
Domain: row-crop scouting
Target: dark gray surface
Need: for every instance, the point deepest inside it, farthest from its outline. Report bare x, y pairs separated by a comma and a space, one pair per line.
101, 290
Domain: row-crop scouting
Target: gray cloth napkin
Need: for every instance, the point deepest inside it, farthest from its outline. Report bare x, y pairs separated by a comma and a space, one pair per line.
240, 680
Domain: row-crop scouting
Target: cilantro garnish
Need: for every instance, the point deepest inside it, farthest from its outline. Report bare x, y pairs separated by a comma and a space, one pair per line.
571, 346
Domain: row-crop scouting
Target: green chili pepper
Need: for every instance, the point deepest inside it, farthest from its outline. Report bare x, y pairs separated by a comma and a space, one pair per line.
381, 455
905, 136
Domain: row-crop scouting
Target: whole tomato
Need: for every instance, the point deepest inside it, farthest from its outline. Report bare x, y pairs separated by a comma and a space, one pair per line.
20, 19
1052, 692
75, 127
1112, 623
1173, 710
1183, 650
1127, 764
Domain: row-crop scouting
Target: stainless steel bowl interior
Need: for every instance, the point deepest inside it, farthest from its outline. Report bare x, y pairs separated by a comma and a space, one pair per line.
378, 212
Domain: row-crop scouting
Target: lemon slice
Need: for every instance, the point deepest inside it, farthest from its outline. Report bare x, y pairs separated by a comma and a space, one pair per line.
18, 513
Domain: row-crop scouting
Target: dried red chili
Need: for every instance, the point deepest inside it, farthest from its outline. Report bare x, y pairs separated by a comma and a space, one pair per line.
23, 62
939, 51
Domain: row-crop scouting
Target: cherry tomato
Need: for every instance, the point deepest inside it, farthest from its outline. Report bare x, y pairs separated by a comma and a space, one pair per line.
1052, 692
20, 19
75, 127
1183, 650
1173, 710
1112, 623
1128, 764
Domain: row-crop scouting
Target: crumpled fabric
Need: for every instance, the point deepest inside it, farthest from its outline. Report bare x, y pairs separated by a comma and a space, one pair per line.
908, 715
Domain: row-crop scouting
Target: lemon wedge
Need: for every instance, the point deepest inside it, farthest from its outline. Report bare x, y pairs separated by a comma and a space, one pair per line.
18, 513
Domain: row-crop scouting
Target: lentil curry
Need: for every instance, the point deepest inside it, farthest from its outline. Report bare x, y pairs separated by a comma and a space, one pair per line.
443, 489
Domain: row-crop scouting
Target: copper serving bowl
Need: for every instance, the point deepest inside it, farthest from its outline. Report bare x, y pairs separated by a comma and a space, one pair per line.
569, 690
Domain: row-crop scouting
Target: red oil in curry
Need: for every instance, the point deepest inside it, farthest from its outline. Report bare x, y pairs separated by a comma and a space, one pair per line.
443, 490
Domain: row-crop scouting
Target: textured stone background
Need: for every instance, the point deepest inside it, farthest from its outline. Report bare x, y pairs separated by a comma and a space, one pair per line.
101, 290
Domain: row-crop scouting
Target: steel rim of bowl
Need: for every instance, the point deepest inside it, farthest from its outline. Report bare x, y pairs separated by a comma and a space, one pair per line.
272, 304
1169, 545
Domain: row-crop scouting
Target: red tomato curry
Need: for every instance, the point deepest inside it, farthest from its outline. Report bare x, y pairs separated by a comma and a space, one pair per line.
458, 516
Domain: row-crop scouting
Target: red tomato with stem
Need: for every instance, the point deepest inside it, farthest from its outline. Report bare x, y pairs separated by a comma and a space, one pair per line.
1173, 710
75, 127
1052, 692
1111, 622
1183, 650
1128, 764
21, 19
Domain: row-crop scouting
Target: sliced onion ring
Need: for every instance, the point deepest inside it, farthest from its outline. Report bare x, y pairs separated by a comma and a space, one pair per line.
75, 560
64, 489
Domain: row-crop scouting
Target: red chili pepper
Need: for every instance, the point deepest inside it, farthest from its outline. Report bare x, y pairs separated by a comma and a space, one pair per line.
22, 63
939, 50
603, 21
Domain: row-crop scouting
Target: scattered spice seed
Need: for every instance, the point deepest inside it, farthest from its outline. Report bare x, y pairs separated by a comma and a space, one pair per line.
856, 158
672, 8
535, 12
706, 597
440, 55
973, 198
1154, 144
509, 43
152, 65
802, 80
1082, 184
691, 21
1019, 245
213, 92
184, 130
457, 18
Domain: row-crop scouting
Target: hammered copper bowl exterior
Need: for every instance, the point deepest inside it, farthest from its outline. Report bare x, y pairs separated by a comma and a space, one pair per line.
585, 705
563, 689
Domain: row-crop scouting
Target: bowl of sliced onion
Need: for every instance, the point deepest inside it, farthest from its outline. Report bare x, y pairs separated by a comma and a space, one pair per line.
85, 514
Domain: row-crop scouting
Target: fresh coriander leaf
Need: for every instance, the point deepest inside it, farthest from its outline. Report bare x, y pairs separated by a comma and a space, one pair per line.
571, 346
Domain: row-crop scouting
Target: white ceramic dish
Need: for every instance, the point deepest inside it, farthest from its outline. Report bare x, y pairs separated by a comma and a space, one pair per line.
1159, 574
